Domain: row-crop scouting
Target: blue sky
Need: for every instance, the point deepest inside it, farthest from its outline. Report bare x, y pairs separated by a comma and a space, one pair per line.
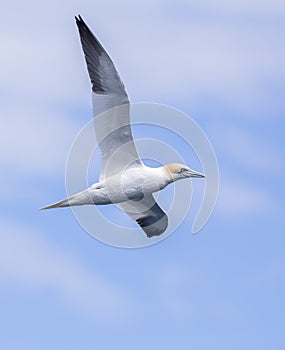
220, 62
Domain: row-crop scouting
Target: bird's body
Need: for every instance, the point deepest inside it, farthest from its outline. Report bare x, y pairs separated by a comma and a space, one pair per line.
131, 184
136, 182
124, 179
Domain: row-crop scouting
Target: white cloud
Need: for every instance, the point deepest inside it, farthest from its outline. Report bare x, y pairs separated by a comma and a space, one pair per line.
27, 258
35, 141
187, 58
230, 64
244, 7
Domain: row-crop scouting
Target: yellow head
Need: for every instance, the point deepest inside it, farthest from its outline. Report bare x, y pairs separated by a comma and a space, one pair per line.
178, 171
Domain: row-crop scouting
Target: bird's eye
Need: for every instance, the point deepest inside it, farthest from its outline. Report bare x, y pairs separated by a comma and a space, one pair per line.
182, 170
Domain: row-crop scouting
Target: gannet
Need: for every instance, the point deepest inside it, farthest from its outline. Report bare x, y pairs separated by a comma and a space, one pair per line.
124, 179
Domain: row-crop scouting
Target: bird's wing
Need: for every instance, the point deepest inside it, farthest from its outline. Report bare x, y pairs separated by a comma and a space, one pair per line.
113, 131
147, 213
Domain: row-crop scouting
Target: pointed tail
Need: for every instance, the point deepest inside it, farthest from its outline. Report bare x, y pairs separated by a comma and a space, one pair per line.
61, 204
79, 198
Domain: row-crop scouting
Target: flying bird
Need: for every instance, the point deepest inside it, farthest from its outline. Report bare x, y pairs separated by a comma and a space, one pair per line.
124, 179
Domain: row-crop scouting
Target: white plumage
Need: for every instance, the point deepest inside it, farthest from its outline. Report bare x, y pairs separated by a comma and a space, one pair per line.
124, 179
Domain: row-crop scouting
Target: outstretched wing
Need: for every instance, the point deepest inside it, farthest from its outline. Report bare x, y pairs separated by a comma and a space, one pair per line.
111, 108
148, 214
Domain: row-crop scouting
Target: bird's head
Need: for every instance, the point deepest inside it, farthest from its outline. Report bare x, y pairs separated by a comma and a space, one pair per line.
178, 171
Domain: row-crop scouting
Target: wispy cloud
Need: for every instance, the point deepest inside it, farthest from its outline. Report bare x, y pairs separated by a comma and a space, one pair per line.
28, 259
187, 58
243, 6
35, 141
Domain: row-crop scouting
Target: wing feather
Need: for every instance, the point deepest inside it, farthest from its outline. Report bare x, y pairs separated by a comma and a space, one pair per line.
148, 214
111, 107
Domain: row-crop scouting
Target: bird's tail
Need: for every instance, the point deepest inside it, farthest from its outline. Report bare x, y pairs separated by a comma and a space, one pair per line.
80, 198
60, 204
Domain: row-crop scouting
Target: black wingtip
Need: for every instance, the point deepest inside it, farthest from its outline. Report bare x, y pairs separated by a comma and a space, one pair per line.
79, 19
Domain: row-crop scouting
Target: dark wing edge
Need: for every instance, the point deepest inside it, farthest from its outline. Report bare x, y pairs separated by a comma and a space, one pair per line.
154, 221
102, 72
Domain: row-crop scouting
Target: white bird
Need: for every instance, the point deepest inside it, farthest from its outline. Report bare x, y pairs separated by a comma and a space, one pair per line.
124, 179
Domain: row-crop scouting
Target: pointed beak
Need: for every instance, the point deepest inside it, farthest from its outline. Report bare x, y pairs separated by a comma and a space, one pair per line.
196, 174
